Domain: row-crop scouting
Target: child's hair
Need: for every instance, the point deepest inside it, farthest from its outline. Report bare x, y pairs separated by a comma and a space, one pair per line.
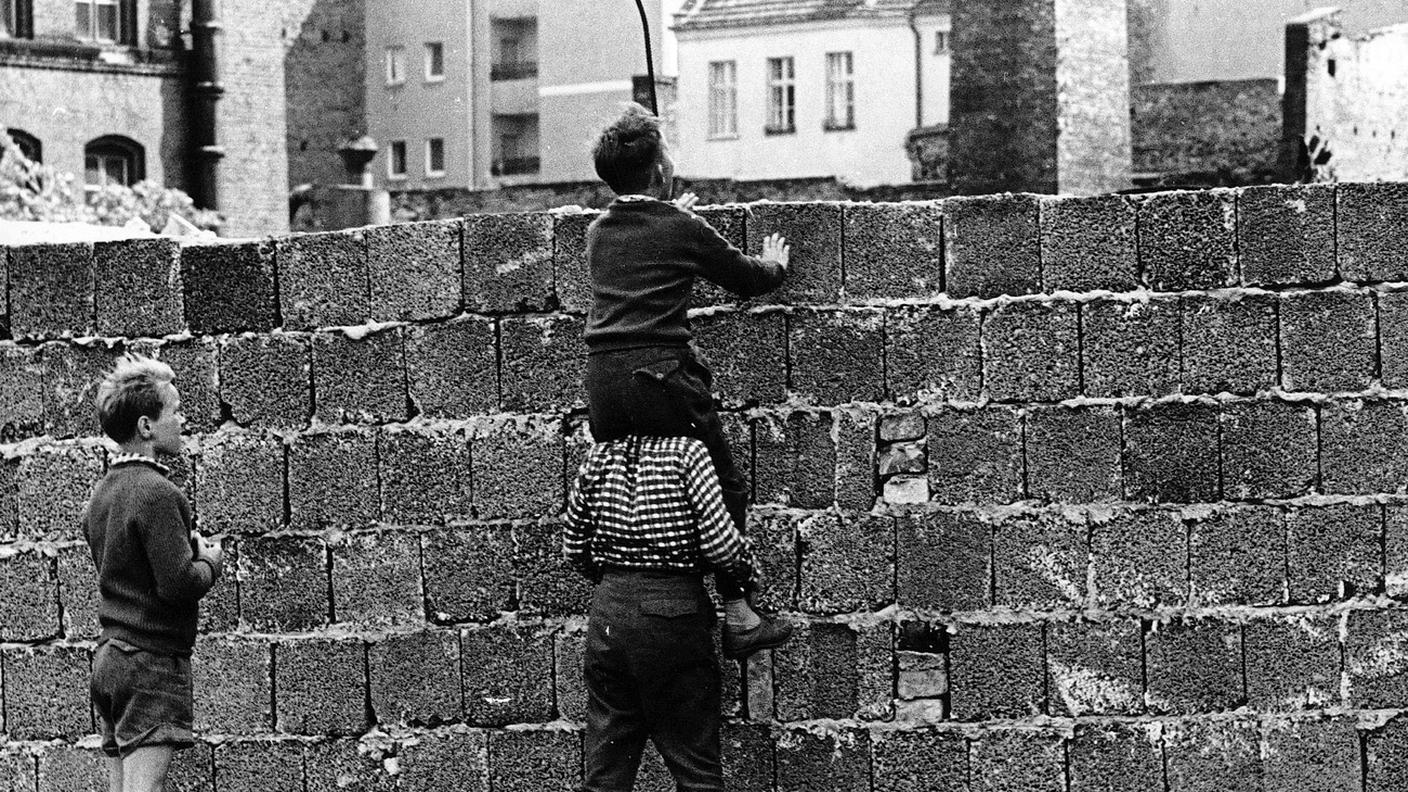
626, 152
129, 391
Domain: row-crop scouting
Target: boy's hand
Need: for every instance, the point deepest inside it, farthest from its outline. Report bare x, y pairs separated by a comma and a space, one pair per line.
687, 201
210, 549
776, 249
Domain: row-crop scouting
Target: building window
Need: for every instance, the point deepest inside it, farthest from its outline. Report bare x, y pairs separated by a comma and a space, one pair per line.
28, 144
515, 144
941, 42
395, 65
106, 21
17, 19
434, 61
396, 162
723, 99
113, 159
840, 91
435, 157
782, 96
515, 43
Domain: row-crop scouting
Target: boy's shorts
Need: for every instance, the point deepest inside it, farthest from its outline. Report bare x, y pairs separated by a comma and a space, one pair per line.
143, 698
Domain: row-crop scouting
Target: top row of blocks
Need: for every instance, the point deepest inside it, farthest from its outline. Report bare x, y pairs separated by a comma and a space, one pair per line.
965, 247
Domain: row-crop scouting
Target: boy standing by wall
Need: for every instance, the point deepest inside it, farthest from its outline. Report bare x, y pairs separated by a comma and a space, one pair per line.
152, 571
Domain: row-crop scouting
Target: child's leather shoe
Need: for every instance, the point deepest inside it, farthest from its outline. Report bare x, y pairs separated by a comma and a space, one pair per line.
769, 633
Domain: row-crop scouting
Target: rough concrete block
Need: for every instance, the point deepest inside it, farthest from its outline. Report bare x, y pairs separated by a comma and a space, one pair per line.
535, 761
748, 757
196, 365
1375, 657
546, 583
1363, 447
1269, 450
908, 425
323, 279
518, 468
138, 287
508, 262
747, 353
350, 765
328, 474
1115, 757
283, 583
836, 356
52, 485
21, 392
193, 770
72, 374
9, 494
220, 607
229, 287
30, 582
731, 223
1030, 351
52, 290
452, 368
856, 454
975, 456
1311, 754
1393, 339
267, 380
932, 353
815, 673
794, 460
1094, 668
924, 757
893, 250
46, 692
1211, 755
1040, 561
920, 675
414, 678
424, 475
1171, 453
507, 674
543, 363
233, 680
78, 592
1018, 760
468, 572
1139, 557
837, 762
1292, 662
69, 768
847, 563
359, 379
320, 686
376, 578
1371, 220
992, 245
944, 561
414, 269
1194, 666
1087, 244
260, 766
240, 482
1329, 341
1238, 556
775, 548
1286, 234
571, 280
444, 760
1229, 345
569, 685
1334, 551
1187, 240
995, 671
1072, 454
18, 771
814, 231
1386, 756
1130, 348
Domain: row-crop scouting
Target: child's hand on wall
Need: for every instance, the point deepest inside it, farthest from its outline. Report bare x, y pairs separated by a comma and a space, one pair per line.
776, 249
687, 201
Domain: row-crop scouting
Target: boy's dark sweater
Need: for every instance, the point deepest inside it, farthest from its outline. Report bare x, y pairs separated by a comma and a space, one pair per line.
138, 526
644, 255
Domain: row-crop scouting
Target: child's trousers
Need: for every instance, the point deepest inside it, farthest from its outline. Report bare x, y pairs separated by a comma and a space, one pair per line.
651, 672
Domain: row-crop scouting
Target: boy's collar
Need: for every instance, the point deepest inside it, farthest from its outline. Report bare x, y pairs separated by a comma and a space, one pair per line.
634, 197
127, 459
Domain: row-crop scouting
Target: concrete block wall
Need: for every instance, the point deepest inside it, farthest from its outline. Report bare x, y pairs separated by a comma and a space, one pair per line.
1062, 494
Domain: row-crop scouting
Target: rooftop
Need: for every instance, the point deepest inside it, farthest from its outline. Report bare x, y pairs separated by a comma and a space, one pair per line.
706, 14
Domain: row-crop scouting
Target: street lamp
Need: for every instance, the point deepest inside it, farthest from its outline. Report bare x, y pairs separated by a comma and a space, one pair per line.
649, 58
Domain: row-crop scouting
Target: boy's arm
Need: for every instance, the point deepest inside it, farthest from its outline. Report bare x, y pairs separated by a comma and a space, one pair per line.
722, 263
166, 536
577, 537
720, 543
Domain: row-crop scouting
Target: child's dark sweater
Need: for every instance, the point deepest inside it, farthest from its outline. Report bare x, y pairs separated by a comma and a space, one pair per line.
138, 526
644, 255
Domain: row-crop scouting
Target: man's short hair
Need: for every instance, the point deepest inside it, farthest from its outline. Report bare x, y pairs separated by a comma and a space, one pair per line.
626, 152
132, 389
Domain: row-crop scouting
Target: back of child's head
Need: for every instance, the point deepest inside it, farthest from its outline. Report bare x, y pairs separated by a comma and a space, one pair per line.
626, 152
131, 390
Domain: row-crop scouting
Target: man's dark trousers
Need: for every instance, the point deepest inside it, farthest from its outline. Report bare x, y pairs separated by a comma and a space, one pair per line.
651, 673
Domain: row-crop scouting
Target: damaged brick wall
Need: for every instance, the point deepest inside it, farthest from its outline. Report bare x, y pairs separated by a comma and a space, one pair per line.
1062, 493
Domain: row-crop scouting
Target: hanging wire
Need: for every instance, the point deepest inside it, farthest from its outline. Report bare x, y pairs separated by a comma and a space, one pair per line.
649, 57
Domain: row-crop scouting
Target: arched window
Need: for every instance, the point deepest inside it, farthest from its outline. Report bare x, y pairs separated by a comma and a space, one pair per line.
113, 159
29, 145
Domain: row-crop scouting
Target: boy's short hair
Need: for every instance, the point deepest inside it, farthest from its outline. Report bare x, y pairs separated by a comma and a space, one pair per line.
131, 390
626, 152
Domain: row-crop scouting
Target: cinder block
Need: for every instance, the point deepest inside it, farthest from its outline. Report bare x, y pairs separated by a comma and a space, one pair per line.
240, 482
376, 578
1311, 754
1363, 447
1094, 668
814, 231
30, 582
815, 673
747, 353
1194, 666
468, 572
283, 583
1393, 339
52, 486
1222, 755
837, 762
508, 262
52, 290
1087, 244
349, 765
193, 770
230, 287
444, 760
1269, 449
748, 757
893, 250
415, 678
452, 368
1292, 662
9, 494
856, 454
196, 365
21, 392
260, 766
507, 674
1018, 759
233, 679
1115, 757
547, 760
794, 460
18, 772
775, 548
571, 279
543, 363
138, 287
919, 758
932, 353
836, 356
1237, 556
943, 560
1040, 561
414, 269
359, 379
1140, 557
1371, 221
995, 671
1130, 348
875, 670
1375, 648
1030, 351
1329, 341
518, 468
1334, 551
847, 563
1386, 756
323, 279
569, 685
731, 223
992, 245
267, 380
1229, 345
975, 456
1072, 454
424, 475
1171, 453
320, 686
546, 584
68, 768
1187, 240
46, 692
1286, 234
78, 591
220, 607
72, 374
328, 474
